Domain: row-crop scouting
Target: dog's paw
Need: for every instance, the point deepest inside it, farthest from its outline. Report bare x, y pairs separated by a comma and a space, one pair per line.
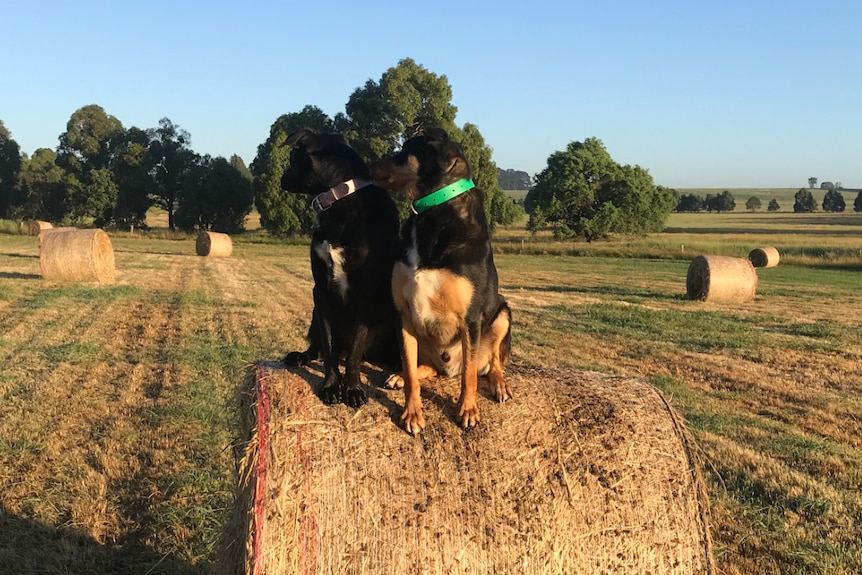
469, 415
502, 391
296, 359
395, 381
354, 397
413, 420
330, 394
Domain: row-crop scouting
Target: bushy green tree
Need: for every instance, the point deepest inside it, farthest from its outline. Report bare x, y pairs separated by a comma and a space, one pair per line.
172, 160
857, 203
282, 213
215, 196
773, 205
833, 201
804, 202
584, 190
723, 202
11, 196
408, 98
45, 186
133, 167
689, 203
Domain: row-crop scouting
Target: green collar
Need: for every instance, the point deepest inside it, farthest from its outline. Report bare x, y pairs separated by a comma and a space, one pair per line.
442, 195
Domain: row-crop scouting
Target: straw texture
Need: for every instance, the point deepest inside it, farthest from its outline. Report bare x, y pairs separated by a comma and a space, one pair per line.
581, 473
721, 279
765, 257
214, 244
76, 256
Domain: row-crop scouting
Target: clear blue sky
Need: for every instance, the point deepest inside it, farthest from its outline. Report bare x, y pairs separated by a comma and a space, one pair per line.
702, 94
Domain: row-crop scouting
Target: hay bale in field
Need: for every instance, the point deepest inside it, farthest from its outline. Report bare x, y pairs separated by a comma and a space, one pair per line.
214, 244
76, 256
44, 233
766, 257
721, 279
581, 473
36, 226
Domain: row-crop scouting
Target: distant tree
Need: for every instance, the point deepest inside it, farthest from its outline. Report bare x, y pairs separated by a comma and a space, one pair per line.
513, 179
239, 165
857, 203
133, 167
753, 204
93, 198
689, 203
406, 99
833, 201
215, 196
773, 206
804, 202
89, 142
172, 160
723, 202
839, 186
812, 182
45, 187
584, 191
827, 186
282, 213
11, 196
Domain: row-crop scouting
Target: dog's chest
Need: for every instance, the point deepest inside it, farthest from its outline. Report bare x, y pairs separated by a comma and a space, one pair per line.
333, 259
434, 300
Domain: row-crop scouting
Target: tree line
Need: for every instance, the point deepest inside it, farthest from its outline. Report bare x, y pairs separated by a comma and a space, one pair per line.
804, 202
111, 176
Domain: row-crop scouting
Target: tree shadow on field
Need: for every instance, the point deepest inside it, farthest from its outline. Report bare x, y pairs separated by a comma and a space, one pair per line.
615, 291
27, 546
19, 276
23, 256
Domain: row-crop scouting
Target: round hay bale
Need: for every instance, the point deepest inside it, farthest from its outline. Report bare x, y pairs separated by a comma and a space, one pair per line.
36, 226
581, 473
721, 279
77, 256
43, 233
766, 257
214, 244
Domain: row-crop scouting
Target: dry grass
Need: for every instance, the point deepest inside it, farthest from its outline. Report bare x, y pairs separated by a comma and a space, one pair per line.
118, 409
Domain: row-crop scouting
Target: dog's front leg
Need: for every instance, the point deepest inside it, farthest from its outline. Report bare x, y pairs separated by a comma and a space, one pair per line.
330, 392
297, 358
412, 418
468, 402
351, 391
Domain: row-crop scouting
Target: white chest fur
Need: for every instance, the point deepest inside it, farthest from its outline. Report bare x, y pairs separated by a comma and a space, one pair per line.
334, 259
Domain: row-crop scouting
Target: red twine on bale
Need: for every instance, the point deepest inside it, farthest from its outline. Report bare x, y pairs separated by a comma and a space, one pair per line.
260, 481
308, 545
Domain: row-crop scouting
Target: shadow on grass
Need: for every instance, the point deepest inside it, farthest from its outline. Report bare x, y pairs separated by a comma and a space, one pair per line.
615, 291
19, 276
27, 546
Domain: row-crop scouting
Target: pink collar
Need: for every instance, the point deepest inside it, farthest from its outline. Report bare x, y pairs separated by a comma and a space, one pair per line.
325, 200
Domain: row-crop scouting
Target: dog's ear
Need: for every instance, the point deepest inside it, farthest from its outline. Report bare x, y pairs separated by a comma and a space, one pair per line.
299, 138
436, 135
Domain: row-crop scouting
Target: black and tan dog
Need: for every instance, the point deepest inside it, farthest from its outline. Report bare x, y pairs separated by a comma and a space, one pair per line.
453, 320
353, 248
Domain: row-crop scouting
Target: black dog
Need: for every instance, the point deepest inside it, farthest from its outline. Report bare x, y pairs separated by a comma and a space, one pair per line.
445, 282
353, 248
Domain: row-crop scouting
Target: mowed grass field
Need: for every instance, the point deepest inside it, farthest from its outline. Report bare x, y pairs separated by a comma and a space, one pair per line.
118, 402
